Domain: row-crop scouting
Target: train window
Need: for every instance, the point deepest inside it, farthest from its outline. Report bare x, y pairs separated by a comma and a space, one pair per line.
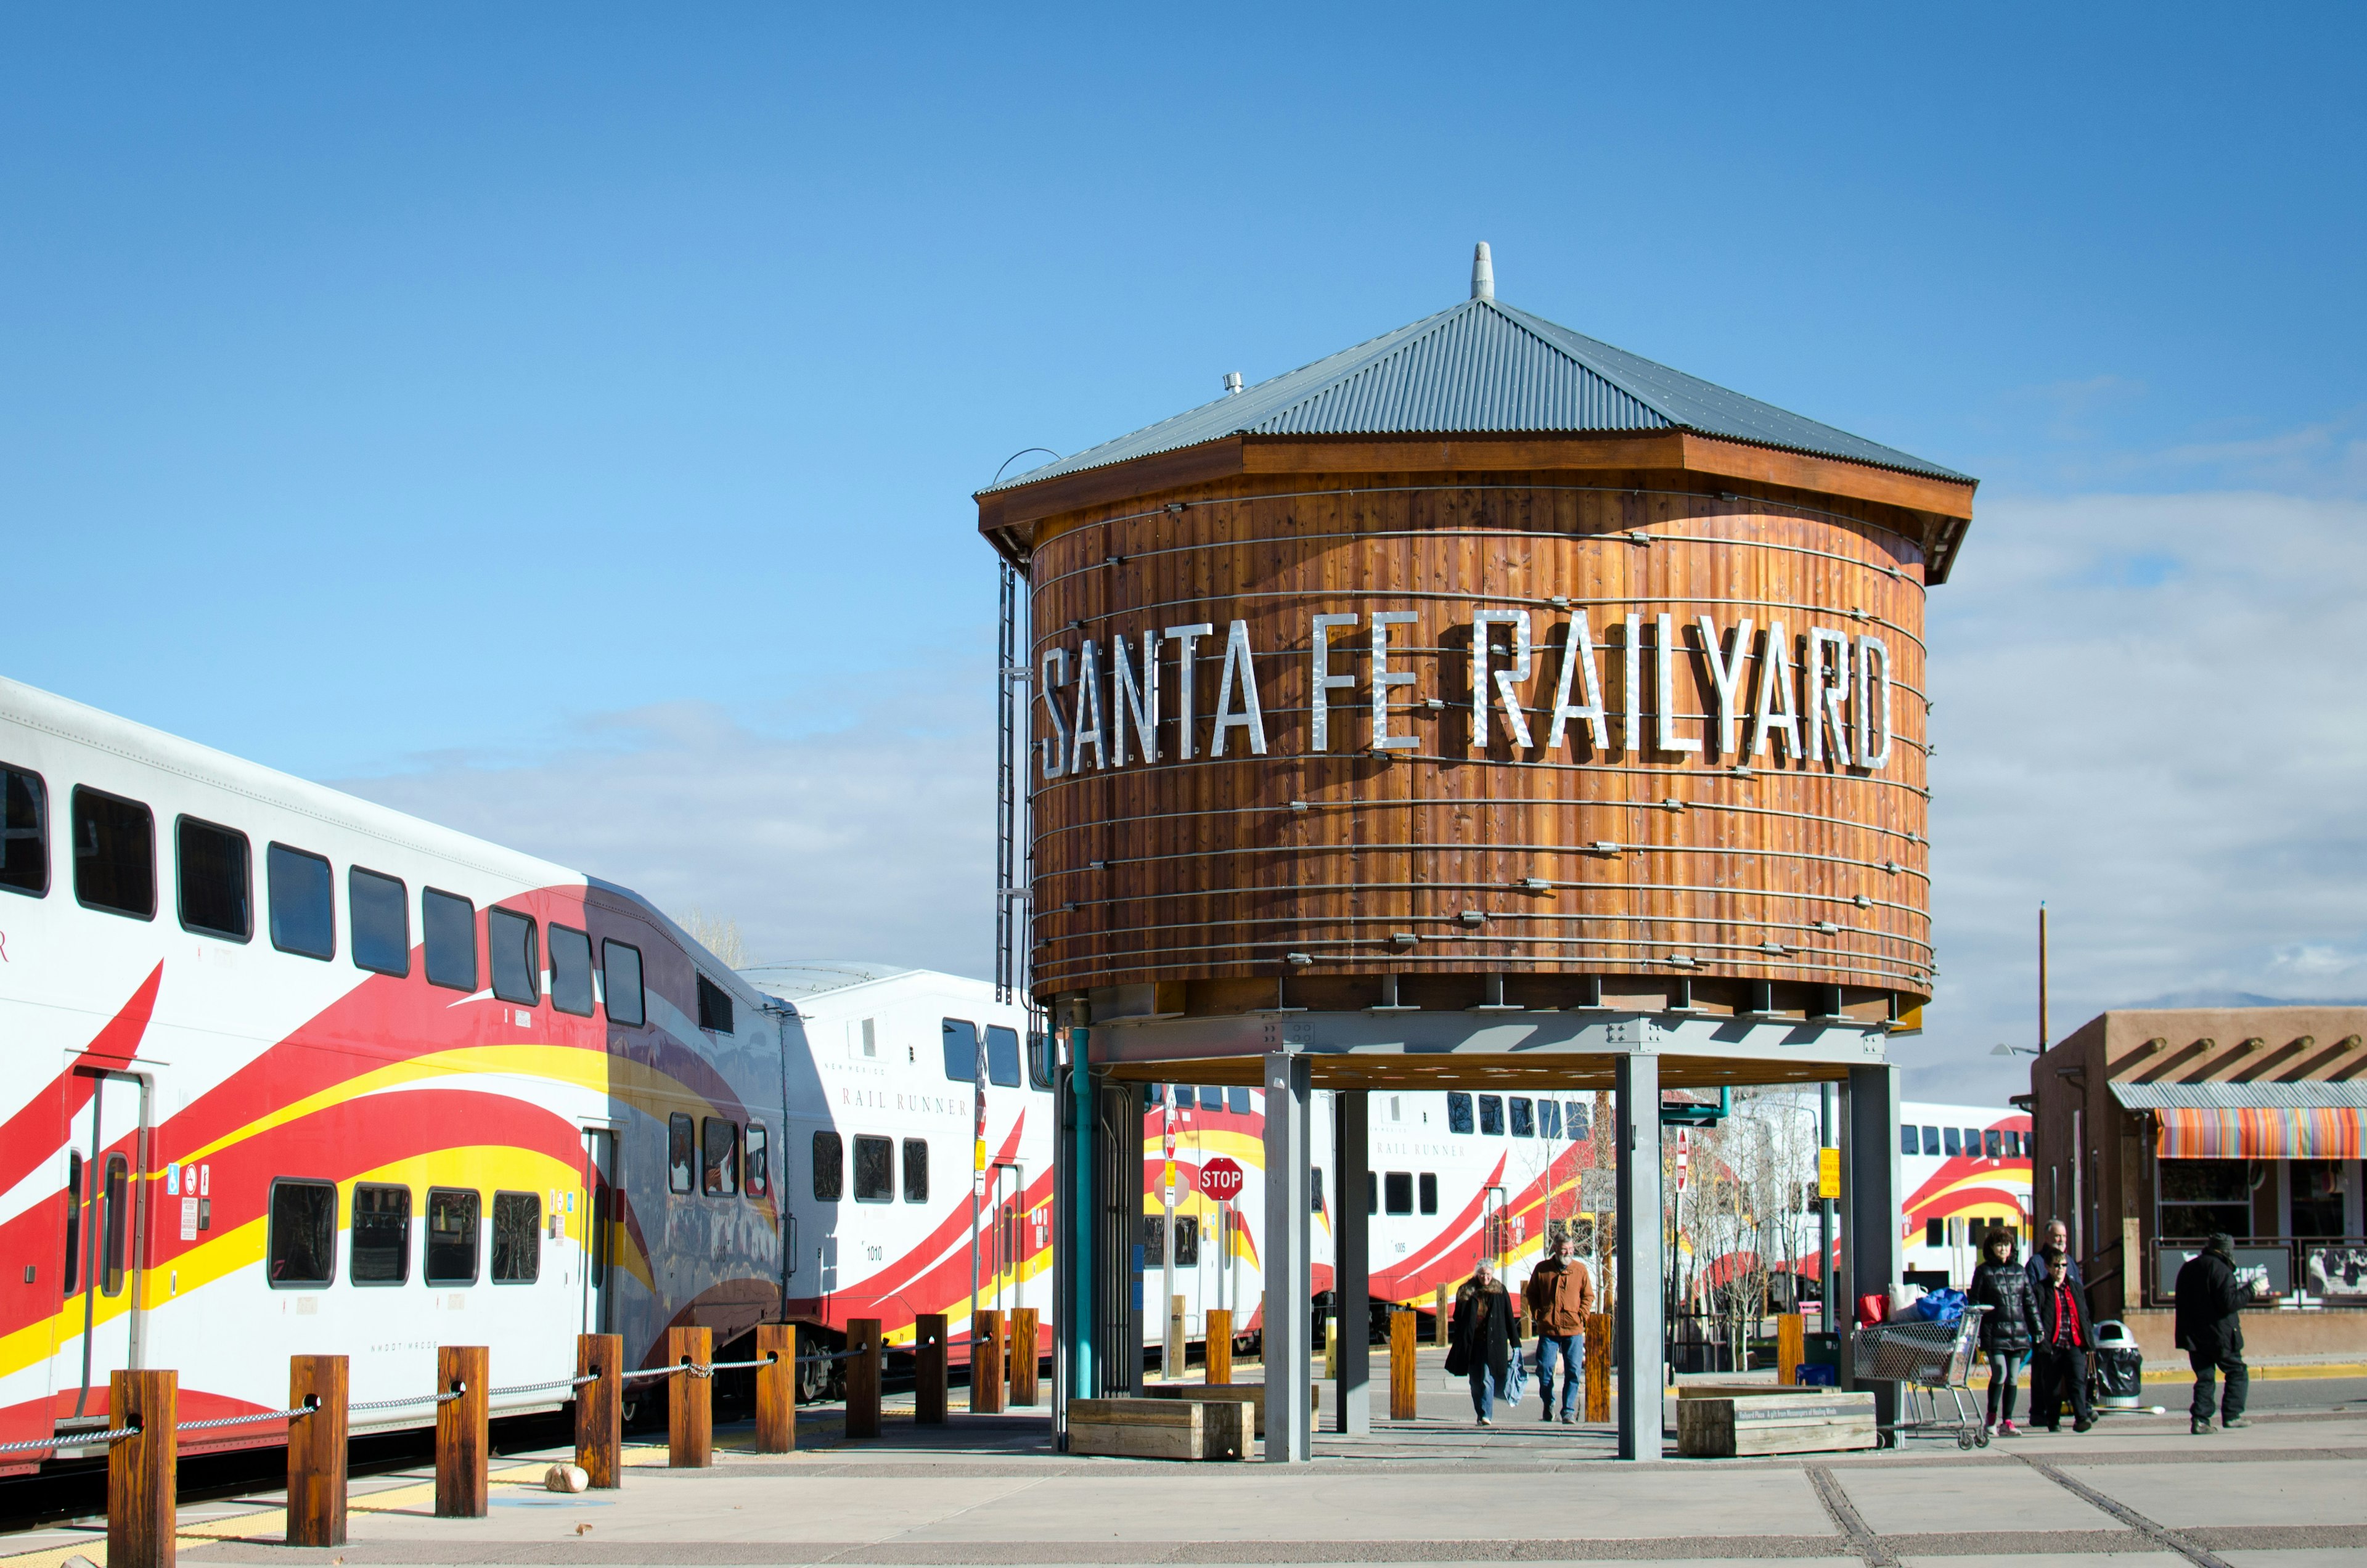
382, 1240
756, 1178
1187, 1241
517, 1237
1397, 1192
24, 832
620, 986
1953, 1139
1994, 1142
875, 1169
961, 1052
1906, 1141
303, 910
1154, 1241
1430, 1191
1002, 1055
1491, 1115
378, 907
718, 1171
1314, 1188
1372, 1193
448, 925
829, 1168
1549, 1118
1039, 1061
115, 1232
571, 971
1211, 1099
1935, 1233
1458, 1111
1972, 1143
115, 855
73, 1221
682, 1152
1577, 1119
1524, 1117
1931, 1140
452, 1216
303, 1234
870, 1049
916, 1170
1236, 1101
516, 958
714, 1006
213, 879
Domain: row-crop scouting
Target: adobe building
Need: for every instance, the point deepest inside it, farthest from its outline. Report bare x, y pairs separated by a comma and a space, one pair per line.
2155, 1128
1479, 707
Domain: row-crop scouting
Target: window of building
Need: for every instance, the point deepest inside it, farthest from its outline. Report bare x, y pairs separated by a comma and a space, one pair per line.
916, 1170
115, 855
829, 1168
378, 907
1236, 1101
302, 1238
517, 1239
1397, 1192
1491, 1115
757, 1171
682, 1152
1935, 1233
303, 910
382, 1238
1458, 1111
215, 881
1549, 1117
1953, 1140
961, 1052
1002, 1055
621, 984
718, 1171
114, 1225
2200, 1196
875, 1169
1578, 1114
1994, 1141
714, 1006
517, 956
1931, 1140
1154, 1241
448, 925
1524, 1117
1041, 1065
1430, 1191
453, 1214
24, 831
1187, 1241
571, 971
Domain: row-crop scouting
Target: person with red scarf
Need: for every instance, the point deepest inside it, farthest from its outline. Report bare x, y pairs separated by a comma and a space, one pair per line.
2058, 1365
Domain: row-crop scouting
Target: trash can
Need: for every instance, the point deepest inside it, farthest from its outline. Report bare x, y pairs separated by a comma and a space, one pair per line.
2119, 1371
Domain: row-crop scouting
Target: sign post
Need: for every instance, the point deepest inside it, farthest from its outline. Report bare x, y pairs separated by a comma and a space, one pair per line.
1221, 1180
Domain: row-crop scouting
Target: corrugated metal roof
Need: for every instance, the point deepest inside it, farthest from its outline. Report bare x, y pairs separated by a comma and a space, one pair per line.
1484, 367
2240, 1095
812, 976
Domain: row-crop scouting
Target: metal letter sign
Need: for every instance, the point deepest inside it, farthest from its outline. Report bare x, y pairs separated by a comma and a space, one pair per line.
1221, 1178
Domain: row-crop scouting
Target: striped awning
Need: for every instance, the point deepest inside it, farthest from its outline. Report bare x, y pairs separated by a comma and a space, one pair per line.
2262, 1133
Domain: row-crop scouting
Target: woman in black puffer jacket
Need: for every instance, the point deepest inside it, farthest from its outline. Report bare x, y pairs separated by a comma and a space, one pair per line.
2011, 1327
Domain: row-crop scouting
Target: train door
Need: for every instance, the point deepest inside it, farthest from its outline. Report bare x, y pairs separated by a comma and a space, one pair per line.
1495, 1229
106, 1161
601, 1223
1006, 1247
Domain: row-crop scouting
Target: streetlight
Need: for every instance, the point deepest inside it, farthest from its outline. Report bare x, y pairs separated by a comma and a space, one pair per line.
2002, 1049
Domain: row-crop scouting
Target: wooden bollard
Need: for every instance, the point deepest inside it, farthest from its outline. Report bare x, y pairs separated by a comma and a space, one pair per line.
316, 1451
1219, 1321
690, 1399
142, 1473
1791, 1344
1598, 1367
600, 1409
1438, 1320
1022, 1356
463, 1432
986, 1364
928, 1371
1405, 1331
777, 1388
862, 1377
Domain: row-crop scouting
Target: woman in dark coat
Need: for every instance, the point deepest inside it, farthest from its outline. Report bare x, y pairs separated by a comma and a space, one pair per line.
1483, 1343
2011, 1327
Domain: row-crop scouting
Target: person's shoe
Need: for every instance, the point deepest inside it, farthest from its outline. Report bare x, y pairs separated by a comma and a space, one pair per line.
2235, 1421
2197, 1426
1570, 1420
1546, 1414
1485, 1422
2055, 1425
2008, 1429
2082, 1426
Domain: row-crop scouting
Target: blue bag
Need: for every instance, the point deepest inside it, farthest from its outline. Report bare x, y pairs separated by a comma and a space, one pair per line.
1939, 1307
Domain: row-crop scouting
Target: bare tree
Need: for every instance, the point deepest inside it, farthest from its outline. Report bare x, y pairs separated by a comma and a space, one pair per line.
720, 934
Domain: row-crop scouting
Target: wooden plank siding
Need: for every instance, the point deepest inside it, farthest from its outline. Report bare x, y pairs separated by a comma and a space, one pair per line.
1209, 876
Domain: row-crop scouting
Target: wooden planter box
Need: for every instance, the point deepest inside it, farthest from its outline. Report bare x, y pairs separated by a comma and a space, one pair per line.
1159, 1428
1797, 1421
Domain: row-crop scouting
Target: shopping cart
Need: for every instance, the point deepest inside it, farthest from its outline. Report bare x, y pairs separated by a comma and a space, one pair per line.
1926, 1359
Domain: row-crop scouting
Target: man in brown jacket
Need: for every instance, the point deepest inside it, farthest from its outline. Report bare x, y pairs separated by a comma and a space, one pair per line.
1560, 1295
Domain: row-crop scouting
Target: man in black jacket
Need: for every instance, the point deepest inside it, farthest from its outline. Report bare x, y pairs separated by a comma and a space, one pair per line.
2058, 1366
2211, 1331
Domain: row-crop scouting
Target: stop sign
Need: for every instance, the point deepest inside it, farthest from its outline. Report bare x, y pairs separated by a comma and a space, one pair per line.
1221, 1178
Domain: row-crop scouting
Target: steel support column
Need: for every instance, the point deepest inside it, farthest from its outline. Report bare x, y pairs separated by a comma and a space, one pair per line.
1077, 1327
1289, 1280
1870, 1190
1636, 1109
1352, 1253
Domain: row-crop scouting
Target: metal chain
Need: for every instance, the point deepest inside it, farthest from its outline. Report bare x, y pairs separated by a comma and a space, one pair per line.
399, 1403
539, 1387
72, 1439
243, 1420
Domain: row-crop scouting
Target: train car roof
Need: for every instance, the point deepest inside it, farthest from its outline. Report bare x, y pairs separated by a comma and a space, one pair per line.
805, 978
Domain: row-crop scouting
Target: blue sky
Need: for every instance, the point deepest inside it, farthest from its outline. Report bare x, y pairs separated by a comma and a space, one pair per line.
459, 400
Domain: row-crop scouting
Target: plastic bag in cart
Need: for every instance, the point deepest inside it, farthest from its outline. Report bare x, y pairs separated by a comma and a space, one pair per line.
1939, 1307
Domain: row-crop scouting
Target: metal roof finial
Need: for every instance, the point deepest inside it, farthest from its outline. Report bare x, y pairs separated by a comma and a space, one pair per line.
1483, 274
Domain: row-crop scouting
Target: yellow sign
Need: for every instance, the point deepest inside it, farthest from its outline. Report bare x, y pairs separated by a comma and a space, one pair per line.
1829, 1173
978, 1155
1170, 1181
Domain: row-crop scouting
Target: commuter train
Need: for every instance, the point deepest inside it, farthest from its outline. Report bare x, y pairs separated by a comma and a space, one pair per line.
1966, 1170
